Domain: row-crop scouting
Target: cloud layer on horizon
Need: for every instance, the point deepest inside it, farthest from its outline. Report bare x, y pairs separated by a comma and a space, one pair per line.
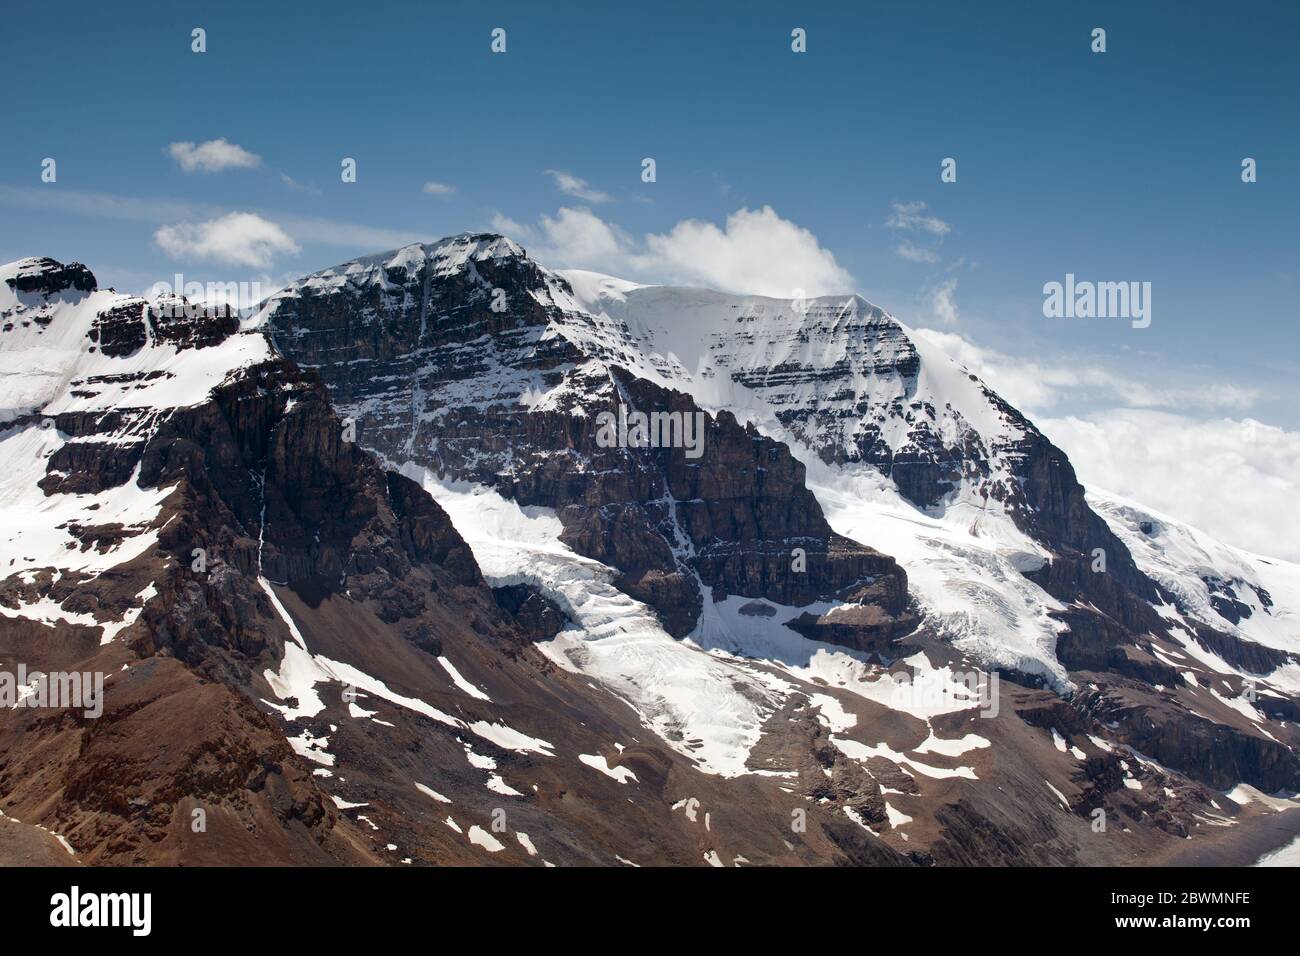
1235, 478
1034, 385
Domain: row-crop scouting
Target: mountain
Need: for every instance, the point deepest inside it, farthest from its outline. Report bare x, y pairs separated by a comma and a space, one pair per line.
370, 559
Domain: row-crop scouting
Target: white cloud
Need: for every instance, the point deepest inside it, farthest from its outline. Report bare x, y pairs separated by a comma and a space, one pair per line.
576, 187
909, 216
212, 156
755, 252
237, 238
512, 229
1237, 479
581, 238
1035, 385
942, 302
914, 253
432, 188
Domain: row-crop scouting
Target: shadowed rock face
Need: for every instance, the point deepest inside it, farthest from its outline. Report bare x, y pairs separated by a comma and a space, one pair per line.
435, 375
739, 518
262, 486
537, 616
48, 277
271, 488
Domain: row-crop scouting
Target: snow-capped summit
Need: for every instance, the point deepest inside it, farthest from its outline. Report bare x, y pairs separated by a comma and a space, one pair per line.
68, 346
835, 374
445, 257
44, 277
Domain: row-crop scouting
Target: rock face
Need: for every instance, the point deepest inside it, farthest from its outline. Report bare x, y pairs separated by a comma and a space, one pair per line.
256, 484
536, 615
453, 357
127, 794
48, 278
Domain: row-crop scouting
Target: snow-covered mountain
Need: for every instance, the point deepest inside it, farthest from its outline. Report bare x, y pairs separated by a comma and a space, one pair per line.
1248, 596
903, 447
846, 385
877, 596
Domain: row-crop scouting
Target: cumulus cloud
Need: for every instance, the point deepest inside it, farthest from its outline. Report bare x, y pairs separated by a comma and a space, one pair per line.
754, 252
911, 216
1238, 479
1038, 385
576, 187
432, 188
584, 240
237, 238
513, 229
212, 156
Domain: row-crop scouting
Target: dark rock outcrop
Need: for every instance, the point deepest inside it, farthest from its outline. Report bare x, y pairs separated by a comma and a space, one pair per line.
431, 370
48, 277
538, 617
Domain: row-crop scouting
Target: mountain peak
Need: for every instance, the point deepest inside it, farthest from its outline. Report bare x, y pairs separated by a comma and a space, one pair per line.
42, 275
452, 252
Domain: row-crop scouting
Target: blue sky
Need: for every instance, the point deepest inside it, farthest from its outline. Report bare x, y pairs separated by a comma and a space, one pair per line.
1116, 166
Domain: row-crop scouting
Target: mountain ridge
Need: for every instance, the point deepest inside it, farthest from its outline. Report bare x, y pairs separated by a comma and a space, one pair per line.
468, 612
1033, 542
